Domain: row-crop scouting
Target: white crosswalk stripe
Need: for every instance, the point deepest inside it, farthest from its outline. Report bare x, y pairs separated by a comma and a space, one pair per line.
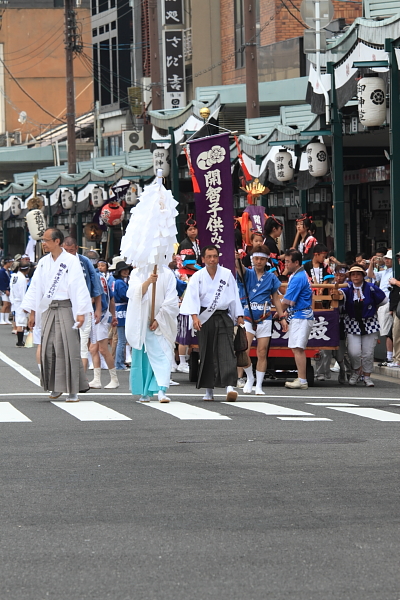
187, 412
10, 414
270, 409
88, 410
303, 419
91, 411
370, 413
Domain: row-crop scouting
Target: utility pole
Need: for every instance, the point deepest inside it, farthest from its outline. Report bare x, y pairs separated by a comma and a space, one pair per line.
250, 37
71, 38
154, 57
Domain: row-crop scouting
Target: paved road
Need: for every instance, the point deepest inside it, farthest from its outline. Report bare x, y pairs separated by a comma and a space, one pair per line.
294, 497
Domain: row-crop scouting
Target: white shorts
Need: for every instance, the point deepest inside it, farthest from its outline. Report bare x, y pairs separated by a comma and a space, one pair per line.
101, 329
84, 332
264, 329
21, 318
385, 319
299, 332
5, 298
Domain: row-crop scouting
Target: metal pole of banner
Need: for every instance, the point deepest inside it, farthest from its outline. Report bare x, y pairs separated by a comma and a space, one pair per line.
394, 152
175, 178
337, 170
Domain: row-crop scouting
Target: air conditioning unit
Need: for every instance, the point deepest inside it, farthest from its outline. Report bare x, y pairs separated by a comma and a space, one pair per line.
132, 140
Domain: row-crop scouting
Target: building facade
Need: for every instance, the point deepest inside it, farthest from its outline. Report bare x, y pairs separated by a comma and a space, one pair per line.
32, 68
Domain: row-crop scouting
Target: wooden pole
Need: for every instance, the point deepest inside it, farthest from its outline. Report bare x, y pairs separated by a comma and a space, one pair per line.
296, 240
153, 297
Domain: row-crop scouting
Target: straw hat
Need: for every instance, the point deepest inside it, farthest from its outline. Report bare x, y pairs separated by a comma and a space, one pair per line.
357, 269
114, 262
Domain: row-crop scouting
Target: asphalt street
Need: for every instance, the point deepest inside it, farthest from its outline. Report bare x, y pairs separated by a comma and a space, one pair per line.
294, 496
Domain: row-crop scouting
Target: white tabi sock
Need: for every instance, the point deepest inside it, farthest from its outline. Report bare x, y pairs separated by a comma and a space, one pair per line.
1, 317
209, 394
40, 368
182, 359
389, 356
250, 374
259, 379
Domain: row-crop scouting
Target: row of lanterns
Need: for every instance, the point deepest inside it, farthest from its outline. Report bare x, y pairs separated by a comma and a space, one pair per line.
371, 92
68, 199
111, 213
317, 161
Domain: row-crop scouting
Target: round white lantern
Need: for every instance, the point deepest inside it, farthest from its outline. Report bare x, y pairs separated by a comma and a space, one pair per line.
317, 159
131, 195
284, 166
15, 206
36, 223
371, 92
67, 199
161, 161
97, 197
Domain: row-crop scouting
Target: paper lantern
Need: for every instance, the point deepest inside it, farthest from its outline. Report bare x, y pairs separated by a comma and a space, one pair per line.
161, 161
131, 197
317, 159
112, 214
67, 199
97, 197
36, 224
284, 166
15, 206
371, 92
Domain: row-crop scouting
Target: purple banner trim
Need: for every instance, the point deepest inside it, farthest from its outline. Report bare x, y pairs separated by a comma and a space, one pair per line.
211, 162
257, 217
325, 331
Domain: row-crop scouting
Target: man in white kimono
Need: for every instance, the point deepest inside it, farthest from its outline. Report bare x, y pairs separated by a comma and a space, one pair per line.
18, 285
58, 300
152, 342
212, 300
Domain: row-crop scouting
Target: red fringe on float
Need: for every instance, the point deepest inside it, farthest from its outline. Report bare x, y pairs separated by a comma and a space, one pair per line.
246, 174
195, 183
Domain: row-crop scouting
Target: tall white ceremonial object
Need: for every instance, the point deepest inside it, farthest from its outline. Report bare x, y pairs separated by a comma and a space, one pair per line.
151, 233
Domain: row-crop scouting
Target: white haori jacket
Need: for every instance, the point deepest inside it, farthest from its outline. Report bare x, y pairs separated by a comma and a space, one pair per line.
60, 279
18, 285
166, 310
220, 293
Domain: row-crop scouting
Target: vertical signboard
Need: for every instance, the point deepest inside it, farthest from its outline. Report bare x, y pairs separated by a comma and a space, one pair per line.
173, 12
174, 69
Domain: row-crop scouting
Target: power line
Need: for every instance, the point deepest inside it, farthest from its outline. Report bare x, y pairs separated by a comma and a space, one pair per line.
27, 94
129, 81
232, 54
292, 15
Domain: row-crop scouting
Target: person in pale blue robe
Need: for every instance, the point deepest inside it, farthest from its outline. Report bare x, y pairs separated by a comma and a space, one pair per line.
152, 343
